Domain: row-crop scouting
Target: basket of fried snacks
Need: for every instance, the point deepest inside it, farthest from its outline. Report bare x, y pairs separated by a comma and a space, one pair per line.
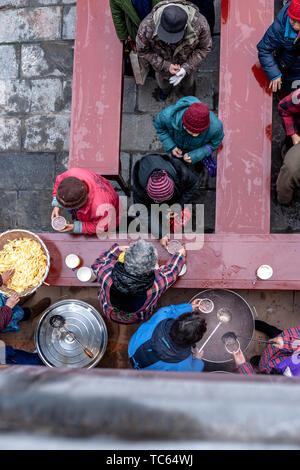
27, 254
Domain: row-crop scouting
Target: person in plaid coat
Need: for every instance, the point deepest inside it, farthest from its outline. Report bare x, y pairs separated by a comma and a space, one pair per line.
288, 181
282, 357
130, 284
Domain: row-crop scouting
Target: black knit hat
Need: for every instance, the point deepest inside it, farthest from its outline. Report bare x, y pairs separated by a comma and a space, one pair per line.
72, 193
172, 24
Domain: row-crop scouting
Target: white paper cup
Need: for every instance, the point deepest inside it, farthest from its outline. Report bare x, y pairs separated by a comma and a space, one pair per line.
72, 261
206, 305
264, 272
58, 223
86, 274
183, 270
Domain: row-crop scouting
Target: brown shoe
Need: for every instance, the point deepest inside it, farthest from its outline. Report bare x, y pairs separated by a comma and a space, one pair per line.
40, 307
25, 299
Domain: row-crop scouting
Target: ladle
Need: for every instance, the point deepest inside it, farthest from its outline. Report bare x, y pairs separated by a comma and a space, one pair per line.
224, 316
58, 321
230, 340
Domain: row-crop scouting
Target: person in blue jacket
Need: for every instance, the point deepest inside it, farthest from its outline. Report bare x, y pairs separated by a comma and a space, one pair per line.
167, 340
189, 130
279, 50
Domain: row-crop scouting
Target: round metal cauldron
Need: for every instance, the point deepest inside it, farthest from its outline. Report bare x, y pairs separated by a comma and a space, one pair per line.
242, 323
16, 234
57, 348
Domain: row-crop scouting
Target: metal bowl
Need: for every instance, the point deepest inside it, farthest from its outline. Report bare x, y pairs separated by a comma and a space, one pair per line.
57, 350
241, 323
16, 234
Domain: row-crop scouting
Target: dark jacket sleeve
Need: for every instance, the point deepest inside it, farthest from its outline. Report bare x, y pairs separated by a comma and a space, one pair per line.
188, 181
118, 17
272, 41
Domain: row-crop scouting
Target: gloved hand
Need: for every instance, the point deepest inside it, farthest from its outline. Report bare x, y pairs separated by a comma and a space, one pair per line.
176, 79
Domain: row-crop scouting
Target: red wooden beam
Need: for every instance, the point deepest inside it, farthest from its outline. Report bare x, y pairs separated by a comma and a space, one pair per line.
217, 265
245, 107
97, 90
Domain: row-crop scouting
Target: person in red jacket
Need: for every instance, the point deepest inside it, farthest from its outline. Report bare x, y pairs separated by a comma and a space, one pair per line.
94, 204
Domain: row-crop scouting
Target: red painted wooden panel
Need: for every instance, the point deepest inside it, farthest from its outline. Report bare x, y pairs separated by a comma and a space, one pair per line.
97, 90
225, 261
245, 107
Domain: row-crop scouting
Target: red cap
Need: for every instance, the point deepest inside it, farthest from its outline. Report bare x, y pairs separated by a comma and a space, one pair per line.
294, 10
196, 118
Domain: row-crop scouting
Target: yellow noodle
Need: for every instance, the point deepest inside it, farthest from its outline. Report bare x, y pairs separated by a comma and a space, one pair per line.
29, 261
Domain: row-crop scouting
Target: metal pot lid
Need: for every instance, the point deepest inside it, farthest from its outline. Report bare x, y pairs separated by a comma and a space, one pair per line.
242, 323
57, 348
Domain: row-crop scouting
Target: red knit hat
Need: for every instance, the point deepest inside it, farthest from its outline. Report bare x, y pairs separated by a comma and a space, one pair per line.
196, 118
160, 186
294, 10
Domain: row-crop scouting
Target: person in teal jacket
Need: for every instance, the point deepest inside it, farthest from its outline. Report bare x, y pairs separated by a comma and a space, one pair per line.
189, 130
166, 341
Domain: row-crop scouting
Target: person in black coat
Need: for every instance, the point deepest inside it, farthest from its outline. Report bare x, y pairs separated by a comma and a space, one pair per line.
207, 9
162, 179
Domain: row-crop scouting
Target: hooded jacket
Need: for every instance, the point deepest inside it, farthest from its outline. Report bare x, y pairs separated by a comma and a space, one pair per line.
189, 52
102, 209
170, 130
163, 349
279, 38
125, 18
186, 184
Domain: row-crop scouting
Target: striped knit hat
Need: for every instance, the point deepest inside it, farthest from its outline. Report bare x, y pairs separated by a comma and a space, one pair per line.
160, 186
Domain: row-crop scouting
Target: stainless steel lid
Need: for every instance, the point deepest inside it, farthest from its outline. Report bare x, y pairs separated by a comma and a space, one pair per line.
57, 348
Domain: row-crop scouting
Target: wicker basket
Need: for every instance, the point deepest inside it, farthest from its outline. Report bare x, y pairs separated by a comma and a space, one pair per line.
16, 234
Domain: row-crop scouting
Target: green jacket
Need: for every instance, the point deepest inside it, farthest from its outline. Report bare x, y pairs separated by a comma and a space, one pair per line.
125, 18
169, 128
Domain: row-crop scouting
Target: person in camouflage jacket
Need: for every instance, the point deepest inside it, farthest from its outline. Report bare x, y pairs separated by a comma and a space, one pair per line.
165, 58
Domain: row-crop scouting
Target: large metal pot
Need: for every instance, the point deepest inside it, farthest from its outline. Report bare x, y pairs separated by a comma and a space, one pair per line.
242, 323
56, 349
14, 235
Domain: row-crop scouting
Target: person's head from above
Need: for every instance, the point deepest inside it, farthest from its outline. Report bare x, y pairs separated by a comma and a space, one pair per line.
196, 119
140, 258
187, 330
173, 24
160, 187
294, 15
72, 193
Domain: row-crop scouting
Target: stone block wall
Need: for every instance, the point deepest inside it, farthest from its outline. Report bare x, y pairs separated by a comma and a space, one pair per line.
36, 67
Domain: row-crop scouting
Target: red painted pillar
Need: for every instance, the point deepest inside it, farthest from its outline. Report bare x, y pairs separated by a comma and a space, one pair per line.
245, 107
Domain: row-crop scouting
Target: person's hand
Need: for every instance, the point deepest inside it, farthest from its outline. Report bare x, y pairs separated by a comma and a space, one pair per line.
68, 228
182, 251
7, 275
55, 212
187, 158
164, 242
173, 69
177, 152
196, 353
173, 214
195, 305
295, 139
239, 358
276, 84
278, 342
176, 79
123, 248
12, 300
